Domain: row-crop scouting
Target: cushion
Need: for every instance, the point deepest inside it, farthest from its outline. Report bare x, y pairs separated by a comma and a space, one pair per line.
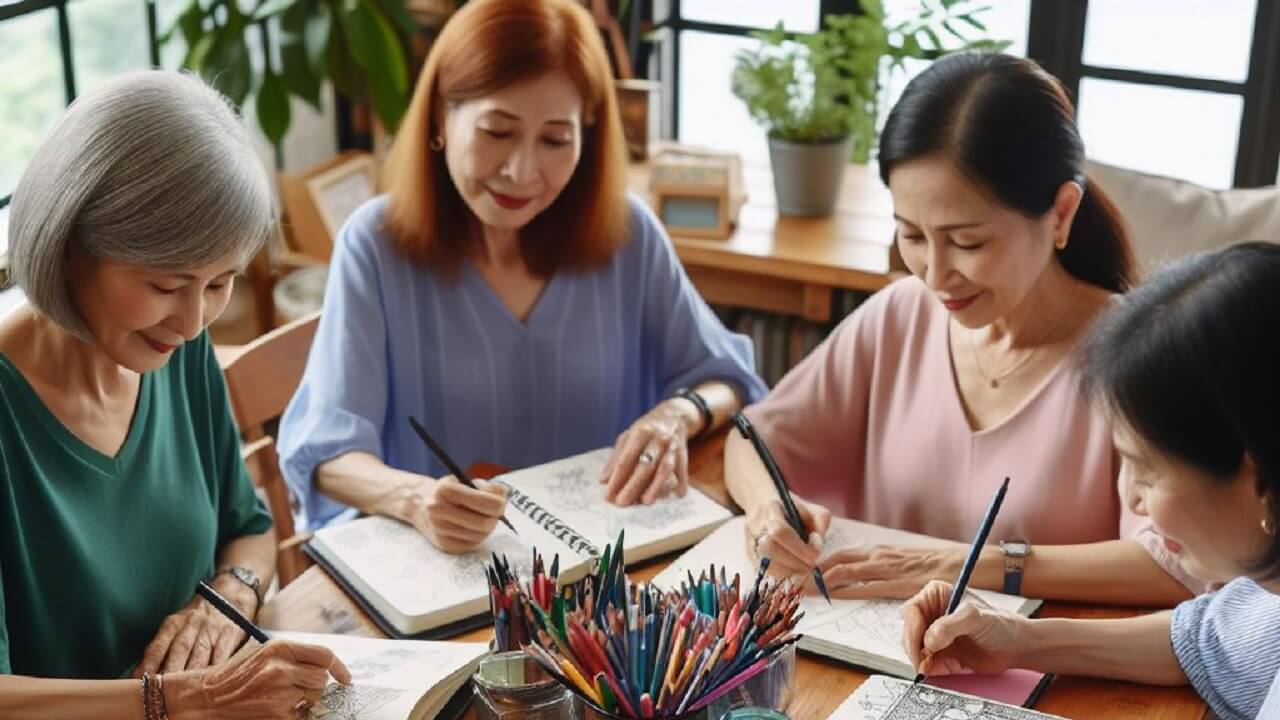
1170, 218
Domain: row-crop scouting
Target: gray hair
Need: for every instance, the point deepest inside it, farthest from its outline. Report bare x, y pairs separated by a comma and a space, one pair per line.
154, 169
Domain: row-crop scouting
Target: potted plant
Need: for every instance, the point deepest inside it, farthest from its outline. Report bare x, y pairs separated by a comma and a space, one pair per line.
358, 45
817, 94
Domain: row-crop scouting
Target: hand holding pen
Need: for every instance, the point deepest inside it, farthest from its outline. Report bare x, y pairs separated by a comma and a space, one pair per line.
457, 513
933, 620
789, 531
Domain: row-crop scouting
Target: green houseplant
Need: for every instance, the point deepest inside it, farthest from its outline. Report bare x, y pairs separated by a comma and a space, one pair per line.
818, 94
358, 45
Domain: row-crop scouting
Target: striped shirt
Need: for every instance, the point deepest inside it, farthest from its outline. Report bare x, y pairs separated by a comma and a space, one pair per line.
597, 351
1228, 644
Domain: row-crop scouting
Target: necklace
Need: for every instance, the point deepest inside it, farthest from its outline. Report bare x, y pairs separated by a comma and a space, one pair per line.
994, 380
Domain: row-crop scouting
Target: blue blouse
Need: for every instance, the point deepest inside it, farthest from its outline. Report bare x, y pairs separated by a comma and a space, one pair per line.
1228, 644
597, 351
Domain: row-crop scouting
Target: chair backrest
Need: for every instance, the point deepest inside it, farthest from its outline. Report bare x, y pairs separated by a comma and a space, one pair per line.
1171, 218
261, 378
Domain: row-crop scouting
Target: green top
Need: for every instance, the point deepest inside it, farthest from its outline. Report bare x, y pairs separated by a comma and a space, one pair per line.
96, 551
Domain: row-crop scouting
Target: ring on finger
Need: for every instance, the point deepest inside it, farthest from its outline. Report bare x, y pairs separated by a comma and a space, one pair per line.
645, 457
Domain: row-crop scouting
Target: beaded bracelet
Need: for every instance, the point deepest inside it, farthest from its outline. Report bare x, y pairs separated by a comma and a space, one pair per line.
146, 705
708, 419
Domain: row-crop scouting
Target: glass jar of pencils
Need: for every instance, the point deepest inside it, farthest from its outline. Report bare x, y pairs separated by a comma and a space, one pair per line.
772, 688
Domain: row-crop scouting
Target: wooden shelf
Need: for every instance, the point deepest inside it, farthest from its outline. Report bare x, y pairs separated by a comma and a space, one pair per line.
790, 265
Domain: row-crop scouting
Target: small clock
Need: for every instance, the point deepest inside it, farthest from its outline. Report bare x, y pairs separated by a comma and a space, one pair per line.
696, 192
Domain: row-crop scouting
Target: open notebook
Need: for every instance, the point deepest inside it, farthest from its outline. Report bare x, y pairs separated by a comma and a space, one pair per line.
413, 589
861, 632
392, 679
886, 698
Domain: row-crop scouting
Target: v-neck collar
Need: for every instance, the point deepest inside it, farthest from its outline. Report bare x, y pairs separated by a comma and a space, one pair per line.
539, 315
109, 465
958, 401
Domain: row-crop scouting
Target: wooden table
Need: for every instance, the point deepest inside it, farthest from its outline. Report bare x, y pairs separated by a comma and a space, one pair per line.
314, 603
791, 265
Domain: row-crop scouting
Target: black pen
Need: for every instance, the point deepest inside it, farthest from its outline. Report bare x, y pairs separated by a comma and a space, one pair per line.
449, 464
780, 484
234, 615
979, 540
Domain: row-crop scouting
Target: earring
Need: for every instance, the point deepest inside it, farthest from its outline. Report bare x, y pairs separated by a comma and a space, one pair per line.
437, 143
1268, 525
1061, 244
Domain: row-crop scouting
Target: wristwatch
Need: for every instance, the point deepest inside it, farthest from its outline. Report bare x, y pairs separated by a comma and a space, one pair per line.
708, 418
246, 576
1015, 555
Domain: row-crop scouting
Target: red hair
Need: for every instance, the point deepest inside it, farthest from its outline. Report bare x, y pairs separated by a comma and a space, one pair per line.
486, 46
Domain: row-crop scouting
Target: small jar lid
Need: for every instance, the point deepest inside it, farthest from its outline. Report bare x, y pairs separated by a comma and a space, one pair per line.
754, 713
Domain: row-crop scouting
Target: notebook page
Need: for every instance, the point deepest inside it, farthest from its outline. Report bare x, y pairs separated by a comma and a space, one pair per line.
886, 698
570, 490
415, 584
390, 677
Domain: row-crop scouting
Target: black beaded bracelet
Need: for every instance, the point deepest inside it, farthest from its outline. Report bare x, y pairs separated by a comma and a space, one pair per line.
708, 419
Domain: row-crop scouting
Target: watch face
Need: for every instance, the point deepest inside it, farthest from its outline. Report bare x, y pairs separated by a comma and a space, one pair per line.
1016, 548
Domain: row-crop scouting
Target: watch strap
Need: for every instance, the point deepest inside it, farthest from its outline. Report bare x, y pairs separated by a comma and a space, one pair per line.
246, 577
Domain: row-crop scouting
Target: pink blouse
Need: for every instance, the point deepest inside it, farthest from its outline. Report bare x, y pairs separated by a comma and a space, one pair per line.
871, 425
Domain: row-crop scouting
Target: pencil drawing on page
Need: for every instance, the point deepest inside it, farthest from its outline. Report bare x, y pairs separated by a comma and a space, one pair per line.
352, 702
882, 698
576, 490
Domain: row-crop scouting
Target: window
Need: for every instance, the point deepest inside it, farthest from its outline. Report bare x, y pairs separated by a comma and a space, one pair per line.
1182, 88
54, 49
705, 35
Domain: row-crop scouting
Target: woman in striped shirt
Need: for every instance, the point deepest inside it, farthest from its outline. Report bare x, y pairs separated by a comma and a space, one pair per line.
1187, 366
508, 293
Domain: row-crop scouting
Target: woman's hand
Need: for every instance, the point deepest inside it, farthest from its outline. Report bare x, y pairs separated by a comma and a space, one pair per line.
975, 638
198, 636
454, 517
769, 534
889, 572
276, 681
651, 458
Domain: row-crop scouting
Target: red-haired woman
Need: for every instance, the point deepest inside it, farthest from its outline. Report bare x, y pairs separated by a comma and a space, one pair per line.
508, 292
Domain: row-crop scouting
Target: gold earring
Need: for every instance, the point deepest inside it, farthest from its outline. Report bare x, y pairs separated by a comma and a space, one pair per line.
1061, 244
1268, 525
437, 143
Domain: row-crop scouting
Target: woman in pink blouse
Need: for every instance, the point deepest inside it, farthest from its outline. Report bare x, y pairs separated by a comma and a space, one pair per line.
942, 384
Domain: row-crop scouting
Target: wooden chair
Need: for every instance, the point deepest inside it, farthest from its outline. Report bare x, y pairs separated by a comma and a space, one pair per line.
261, 378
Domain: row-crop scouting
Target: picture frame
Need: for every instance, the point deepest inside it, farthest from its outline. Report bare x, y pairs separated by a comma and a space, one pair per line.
339, 190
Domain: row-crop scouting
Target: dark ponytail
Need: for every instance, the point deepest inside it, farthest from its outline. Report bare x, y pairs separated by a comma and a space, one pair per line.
1008, 125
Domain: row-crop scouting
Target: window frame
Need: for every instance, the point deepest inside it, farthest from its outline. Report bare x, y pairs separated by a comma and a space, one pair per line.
28, 7
1056, 40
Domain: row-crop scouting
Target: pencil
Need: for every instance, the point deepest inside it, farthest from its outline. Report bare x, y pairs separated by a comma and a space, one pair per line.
979, 539
234, 615
780, 484
453, 467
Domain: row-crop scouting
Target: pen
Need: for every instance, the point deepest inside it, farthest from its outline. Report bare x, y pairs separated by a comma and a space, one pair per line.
449, 464
234, 615
979, 539
780, 484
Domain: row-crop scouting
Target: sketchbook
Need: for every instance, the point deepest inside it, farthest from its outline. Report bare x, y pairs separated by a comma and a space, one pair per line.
413, 589
867, 633
392, 679
886, 698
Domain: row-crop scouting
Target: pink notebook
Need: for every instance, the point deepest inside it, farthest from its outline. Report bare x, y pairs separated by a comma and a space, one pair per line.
1013, 687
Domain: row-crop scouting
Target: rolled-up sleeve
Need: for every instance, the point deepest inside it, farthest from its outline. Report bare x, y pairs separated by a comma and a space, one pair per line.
1228, 644
694, 346
341, 404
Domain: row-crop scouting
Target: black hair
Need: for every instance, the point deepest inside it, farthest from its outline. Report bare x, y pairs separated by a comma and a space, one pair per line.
1009, 126
1191, 362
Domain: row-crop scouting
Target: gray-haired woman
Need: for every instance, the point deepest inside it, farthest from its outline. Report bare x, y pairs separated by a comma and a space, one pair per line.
121, 484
